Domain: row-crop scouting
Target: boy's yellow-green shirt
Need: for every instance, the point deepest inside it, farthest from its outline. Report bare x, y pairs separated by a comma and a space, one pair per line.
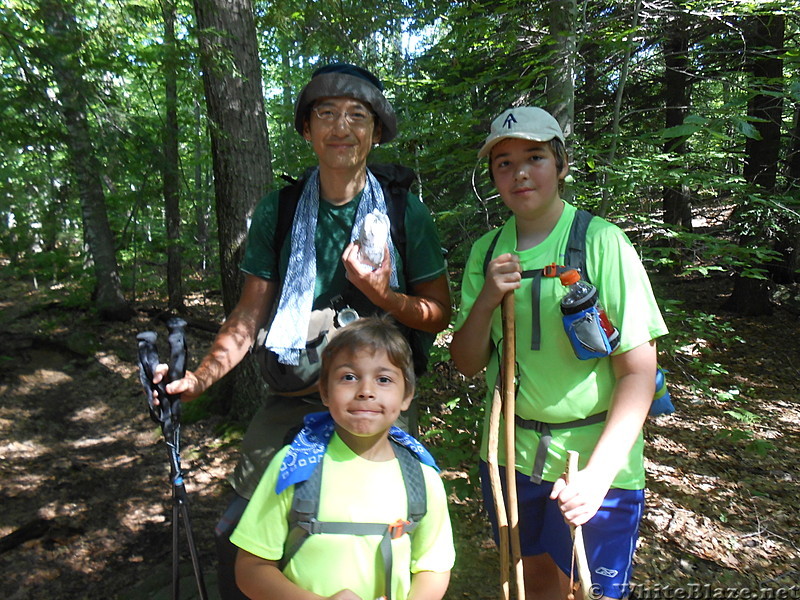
555, 386
356, 490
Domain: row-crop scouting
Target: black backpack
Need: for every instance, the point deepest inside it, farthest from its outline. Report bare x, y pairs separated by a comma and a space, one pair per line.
305, 507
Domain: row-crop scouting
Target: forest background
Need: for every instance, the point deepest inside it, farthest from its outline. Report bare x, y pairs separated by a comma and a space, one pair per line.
137, 137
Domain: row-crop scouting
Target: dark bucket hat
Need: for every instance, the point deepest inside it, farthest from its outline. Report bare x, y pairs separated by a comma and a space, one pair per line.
347, 81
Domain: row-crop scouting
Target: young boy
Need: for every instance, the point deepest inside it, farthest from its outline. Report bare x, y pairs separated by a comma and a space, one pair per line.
596, 407
367, 378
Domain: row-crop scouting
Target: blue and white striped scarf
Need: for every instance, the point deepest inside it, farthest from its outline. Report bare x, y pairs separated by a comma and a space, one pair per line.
289, 329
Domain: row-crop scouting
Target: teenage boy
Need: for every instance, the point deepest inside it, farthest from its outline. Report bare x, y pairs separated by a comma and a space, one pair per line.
596, 407
367, 379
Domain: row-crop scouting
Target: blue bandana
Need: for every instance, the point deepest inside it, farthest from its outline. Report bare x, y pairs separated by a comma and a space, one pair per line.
308, 449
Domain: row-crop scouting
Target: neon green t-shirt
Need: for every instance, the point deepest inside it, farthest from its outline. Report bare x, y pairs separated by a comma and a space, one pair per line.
555, 386
357, 490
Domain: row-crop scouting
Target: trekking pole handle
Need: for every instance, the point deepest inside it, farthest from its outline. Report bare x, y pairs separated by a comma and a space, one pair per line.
177, 347
148, 361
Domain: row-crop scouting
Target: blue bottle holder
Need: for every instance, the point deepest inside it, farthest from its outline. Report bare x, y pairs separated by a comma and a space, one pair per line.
586, 334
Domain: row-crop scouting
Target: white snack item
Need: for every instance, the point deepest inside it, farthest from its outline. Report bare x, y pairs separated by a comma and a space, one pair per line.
372, 239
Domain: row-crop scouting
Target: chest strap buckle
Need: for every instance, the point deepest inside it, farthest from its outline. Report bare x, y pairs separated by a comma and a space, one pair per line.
550, 270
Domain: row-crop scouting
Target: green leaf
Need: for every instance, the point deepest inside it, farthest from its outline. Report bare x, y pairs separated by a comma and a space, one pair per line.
747, 129
679, 131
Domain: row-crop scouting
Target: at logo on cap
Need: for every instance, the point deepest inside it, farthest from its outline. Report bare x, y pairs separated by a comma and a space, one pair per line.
509, 120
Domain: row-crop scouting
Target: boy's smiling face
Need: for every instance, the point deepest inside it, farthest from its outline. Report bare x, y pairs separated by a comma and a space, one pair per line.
365, 394
527, 177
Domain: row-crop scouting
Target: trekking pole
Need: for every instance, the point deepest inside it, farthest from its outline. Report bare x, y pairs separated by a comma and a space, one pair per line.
509, 408
167, 414
578, 550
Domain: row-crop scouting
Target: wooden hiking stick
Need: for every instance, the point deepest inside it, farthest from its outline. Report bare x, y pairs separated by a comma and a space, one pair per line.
578, 550
509, 410
497, 490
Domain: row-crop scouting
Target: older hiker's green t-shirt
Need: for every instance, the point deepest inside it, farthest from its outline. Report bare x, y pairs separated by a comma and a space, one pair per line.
355, 490
424, 258
555, 386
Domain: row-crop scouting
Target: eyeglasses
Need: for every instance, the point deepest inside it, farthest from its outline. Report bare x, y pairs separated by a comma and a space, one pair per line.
359, 117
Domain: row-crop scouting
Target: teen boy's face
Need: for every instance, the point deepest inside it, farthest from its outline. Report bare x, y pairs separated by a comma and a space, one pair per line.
526, 176
365, 393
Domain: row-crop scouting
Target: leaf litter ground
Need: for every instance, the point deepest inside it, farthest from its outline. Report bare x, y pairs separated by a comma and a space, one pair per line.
86, 496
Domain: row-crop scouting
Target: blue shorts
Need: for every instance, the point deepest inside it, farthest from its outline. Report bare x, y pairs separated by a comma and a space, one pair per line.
610, 536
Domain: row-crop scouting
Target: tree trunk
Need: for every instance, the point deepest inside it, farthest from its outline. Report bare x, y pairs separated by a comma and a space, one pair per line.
170, 175
241, 155
589, 113
765, 38
677, 200
286, 77
788, 243
793, 170
793, 178
202, 183
561, 18
766, 106
239, 140
71, 94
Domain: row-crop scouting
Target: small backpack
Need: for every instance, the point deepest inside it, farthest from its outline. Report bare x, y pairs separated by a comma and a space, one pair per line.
305, 507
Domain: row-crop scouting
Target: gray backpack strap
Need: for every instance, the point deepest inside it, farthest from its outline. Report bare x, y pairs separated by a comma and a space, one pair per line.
303, 514
488, 258
414, 479
574, 257
305, 506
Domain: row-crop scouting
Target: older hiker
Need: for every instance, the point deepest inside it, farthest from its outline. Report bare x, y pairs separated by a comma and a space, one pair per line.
342, 112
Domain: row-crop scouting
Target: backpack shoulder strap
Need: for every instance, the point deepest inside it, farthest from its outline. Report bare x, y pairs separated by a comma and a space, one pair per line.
305, 507
303, 512
414, 480
396, 181
288, 197
488, 258
575, 255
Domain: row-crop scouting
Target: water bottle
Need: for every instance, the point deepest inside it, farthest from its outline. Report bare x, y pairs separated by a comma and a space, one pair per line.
372, 239
585, 320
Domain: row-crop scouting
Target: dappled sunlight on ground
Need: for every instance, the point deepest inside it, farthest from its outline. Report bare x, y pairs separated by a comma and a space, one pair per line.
85, 469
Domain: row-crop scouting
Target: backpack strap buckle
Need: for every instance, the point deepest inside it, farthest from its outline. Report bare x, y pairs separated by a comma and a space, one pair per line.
550, 270
398, 528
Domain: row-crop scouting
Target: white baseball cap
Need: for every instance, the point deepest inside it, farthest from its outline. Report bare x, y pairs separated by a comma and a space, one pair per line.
525, 123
